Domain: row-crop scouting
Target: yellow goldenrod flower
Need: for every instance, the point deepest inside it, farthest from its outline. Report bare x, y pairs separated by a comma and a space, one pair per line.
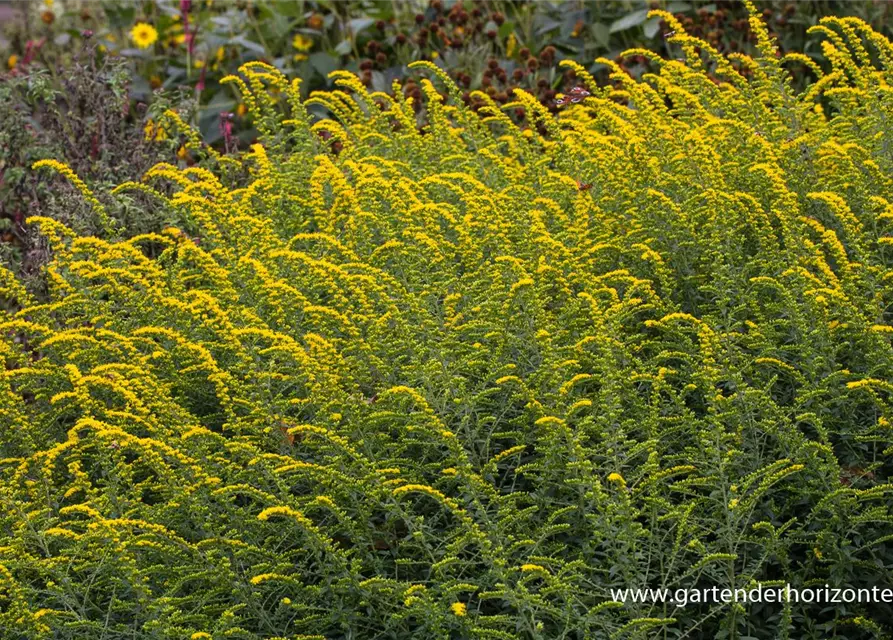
301, 42
143, 35
362, 242
510, 45
154, 131
617, 479
527, 568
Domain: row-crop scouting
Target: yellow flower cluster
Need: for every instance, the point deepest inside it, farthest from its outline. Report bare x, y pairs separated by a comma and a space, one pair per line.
472, 366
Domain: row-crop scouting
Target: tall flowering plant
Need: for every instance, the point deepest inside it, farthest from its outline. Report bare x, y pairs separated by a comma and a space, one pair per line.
463, 380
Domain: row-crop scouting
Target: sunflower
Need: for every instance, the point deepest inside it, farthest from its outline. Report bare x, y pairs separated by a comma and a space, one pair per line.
143, 35
301, 42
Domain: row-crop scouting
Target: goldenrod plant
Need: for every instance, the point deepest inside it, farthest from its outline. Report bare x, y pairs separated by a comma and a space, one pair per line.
463, 380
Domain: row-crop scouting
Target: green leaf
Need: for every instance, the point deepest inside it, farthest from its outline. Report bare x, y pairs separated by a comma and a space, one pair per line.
323, 63
121, 17
344, 47
629, 21
601, 33
545, 25
359, 24
291, 9
651, 27
248, 44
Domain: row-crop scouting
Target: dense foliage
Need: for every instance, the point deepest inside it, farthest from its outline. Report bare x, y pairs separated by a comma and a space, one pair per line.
459, 382
491, 45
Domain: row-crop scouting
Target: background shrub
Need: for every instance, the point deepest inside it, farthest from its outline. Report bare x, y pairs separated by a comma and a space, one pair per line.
84, 116
491, 45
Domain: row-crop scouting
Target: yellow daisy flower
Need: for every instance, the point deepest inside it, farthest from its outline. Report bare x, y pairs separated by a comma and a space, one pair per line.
302, 42
143, 35
12, 61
